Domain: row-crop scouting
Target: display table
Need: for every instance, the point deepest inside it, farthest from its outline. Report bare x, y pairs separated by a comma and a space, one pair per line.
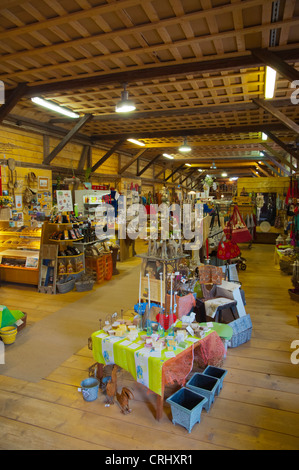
150, 368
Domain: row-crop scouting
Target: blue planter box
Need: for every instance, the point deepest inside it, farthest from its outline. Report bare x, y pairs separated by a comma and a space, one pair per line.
218, 373
204, 385
186, 407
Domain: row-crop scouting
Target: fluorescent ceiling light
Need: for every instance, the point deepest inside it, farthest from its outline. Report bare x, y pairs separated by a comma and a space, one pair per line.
137, 142
264, 136
125, 105
260, 162
185, 147
199, 169
54, 107
166, 155
224, 174
187, 164
234, 178
270, 82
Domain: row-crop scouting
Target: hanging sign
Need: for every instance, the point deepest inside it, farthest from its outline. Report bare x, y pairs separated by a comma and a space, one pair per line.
64, 201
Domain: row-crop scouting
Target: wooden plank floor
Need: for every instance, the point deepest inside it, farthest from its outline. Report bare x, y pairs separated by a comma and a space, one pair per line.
258, 407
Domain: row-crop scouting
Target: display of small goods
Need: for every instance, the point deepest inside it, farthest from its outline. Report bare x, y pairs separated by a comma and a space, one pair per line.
157, 338
72, 234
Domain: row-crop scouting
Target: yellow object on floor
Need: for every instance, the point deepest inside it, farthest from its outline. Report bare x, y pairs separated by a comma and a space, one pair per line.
8, 334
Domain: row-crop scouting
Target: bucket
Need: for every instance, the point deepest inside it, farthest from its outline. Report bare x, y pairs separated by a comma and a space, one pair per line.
89, 389
8, 334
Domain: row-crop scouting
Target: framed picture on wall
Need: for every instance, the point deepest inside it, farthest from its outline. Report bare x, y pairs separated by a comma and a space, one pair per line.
43, 183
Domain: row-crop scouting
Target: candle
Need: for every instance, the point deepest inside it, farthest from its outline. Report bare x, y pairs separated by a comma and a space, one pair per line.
149, 292
171, 293
140, 289
161, 287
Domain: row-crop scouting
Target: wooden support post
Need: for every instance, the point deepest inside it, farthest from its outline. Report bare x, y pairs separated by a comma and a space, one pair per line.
67, 138
108, 154
278, 114
83, 157
13, 98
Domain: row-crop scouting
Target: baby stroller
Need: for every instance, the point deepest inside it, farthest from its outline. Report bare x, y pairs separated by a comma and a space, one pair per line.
240, 262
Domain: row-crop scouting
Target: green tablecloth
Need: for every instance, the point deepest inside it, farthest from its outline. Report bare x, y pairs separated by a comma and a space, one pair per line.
144, 366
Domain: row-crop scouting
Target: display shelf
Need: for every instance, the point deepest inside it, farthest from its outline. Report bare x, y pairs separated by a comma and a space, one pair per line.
16, 246
65, 241
18, 267
70, 256
69, 274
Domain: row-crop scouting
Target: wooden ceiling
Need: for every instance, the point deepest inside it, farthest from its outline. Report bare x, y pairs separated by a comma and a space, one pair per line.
194, 68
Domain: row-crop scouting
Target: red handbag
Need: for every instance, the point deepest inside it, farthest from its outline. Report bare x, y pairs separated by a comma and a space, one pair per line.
228, 249
238, 228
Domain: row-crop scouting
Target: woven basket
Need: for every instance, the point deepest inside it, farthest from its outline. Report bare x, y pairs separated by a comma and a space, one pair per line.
286, 266
24, 320
65, 287
294, 294
186, 407
242, 329
83, 286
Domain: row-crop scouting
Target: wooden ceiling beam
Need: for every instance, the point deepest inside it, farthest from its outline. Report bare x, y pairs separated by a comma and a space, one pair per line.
274, 171
278, 164
262, 170
192, 132
12, 100
189, 175
281, 158
149, 164
107, 155
204, 66
67, 138
271, 59
174, 171
254, 173
179, 111
278, 114
283, 145
133, 160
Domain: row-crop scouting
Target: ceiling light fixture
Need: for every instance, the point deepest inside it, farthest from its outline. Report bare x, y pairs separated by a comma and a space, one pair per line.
187, 164
125, 105
185, 147
213, 166
137, 142
199, 169
264, 136
54, 107
166, 155
270, 82
224, 174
